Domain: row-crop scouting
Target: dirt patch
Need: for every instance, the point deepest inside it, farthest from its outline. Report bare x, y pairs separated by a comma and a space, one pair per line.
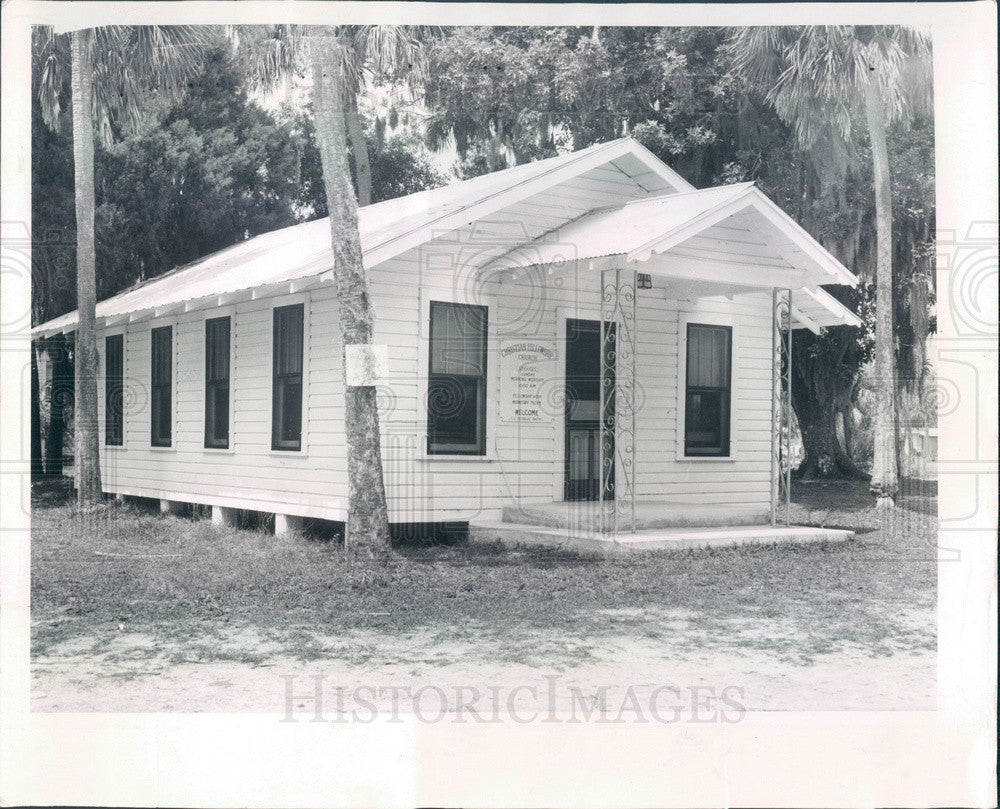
247, 670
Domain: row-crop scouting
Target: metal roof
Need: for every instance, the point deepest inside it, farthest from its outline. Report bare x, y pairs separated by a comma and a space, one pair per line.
386, 228
638, 230
621, 229
652, 235
389, 228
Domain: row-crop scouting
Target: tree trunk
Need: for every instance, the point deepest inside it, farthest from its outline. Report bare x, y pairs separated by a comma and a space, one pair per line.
359, 148
59, 396
823, 378
37, 463
87, 448
367, 515
885, 468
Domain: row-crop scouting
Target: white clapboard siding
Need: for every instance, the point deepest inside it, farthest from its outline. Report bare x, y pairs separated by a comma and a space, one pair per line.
528, 462
249, 475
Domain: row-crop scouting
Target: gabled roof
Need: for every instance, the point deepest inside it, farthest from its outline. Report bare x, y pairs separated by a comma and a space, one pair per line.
726, 240
620, 229
638, 230
661, 233
387, 229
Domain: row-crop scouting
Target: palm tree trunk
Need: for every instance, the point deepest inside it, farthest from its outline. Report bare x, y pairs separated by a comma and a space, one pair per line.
88, 468
359, 148
885, 467
367, 515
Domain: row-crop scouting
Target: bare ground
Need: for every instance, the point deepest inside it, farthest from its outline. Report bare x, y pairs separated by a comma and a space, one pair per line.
149, 673
136, 612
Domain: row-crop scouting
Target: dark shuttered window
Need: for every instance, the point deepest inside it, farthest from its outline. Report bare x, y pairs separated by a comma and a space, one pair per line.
114, 384
217, 382
160, 388
286, 422
456, 388
707, 403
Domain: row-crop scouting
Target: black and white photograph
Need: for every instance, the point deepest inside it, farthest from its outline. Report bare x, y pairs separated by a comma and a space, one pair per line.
403, 373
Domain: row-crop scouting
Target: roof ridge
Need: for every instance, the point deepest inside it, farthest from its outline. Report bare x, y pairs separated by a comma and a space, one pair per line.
656, 197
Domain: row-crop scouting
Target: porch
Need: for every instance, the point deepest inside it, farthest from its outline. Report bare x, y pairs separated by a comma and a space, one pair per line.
659, 525
714, 256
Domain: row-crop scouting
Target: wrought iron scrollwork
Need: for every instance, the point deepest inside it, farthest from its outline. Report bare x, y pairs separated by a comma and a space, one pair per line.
781, 402
617, 405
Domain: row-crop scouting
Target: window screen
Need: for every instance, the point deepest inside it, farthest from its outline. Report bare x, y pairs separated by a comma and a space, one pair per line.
161, 381
217, 336
114, 384
707, 395
456, 390
286, 423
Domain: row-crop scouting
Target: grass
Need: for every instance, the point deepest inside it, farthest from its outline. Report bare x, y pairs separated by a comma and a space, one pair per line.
120, 568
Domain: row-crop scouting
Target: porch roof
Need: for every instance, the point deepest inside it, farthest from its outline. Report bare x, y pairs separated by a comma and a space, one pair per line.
716, 241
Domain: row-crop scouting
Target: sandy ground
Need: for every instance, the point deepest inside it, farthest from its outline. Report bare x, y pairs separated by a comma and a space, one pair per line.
427, 673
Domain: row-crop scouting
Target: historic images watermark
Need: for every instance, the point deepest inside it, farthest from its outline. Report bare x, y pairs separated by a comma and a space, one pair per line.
318, 698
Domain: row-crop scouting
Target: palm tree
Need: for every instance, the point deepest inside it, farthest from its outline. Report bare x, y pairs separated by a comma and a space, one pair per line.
814, 77
338, 57
114, 69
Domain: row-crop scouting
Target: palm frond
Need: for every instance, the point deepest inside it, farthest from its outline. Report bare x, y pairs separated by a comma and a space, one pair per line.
268, 53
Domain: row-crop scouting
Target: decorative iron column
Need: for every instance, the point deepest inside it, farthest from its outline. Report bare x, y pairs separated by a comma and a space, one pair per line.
781, 401
789, 331
775, 394
616, 455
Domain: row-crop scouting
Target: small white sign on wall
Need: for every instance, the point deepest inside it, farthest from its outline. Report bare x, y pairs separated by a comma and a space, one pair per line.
365, 364
527, 374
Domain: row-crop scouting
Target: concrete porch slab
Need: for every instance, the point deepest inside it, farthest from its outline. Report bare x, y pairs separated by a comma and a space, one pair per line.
512, 534
584, 515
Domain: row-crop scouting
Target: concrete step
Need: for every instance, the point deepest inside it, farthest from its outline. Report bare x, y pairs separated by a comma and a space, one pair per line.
585, 516
514, 534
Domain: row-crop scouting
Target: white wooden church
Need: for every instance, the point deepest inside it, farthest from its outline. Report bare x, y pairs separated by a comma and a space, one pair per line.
585, 345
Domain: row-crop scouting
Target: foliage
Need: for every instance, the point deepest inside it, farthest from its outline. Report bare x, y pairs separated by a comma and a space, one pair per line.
214, 170
53, 220
815, 78
201, 174
400, 165
508, 95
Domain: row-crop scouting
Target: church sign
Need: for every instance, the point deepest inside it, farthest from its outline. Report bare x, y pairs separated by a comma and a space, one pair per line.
527, 373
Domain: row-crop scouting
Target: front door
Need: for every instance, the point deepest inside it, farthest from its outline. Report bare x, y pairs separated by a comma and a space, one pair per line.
583, 405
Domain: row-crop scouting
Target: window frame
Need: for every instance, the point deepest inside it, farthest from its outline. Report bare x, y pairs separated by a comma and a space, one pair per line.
700, 317
724, 392
119, 333
171, 386
300, 449
480, 451
213, 317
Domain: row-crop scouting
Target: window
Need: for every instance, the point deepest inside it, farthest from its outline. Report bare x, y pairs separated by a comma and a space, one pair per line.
286, 418
707, 395
217, 383
161, 424
114, 382
456, 388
